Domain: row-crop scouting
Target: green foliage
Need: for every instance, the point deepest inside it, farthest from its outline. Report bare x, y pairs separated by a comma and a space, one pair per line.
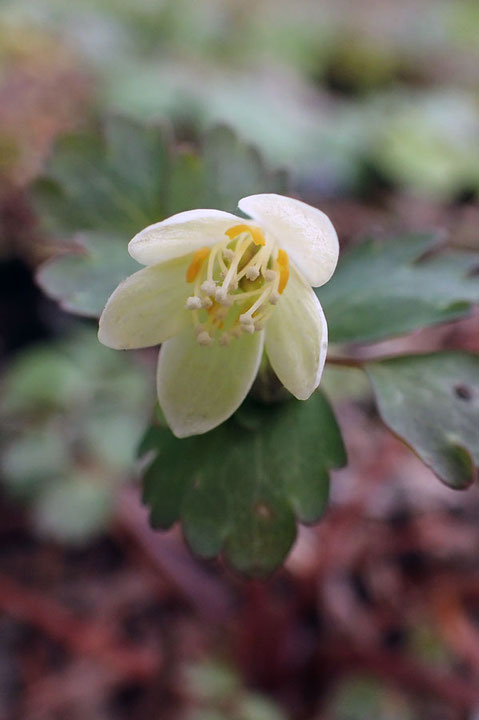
432, 403
82, 280
384, 288
426, 142
75, 509
71, 418
363, 698
110, 186
113, 181
72, 415
265, 72
426, 644
240, 487
218, 694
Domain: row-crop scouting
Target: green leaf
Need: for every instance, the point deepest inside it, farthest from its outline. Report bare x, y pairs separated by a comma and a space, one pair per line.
432, 403
82, 281
112, 180
224, 170
75, 509
186, 181
233, 169
33, 458
109, 185
382, 289
357, 697
72, 414
41, 379
219, 693
425, 142
240, 488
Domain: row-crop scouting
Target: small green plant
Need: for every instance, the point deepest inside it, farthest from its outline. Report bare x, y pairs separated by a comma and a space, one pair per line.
69, 436
242, 487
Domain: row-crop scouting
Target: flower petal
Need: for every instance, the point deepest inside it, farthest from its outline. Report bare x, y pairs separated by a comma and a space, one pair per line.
148, 307
180, 234
201, 386
305, 232
297, 338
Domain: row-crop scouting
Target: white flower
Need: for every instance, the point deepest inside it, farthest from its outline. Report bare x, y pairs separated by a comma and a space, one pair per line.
216, 290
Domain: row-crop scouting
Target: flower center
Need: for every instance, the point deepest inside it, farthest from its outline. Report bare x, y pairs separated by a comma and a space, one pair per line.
237, 282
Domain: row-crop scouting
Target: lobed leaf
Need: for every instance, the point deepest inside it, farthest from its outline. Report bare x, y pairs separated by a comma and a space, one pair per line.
81, 281
107, 186
432, 403
72, 414
383, 289
242, 487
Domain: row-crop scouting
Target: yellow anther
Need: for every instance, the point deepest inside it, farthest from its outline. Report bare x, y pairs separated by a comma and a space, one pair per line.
256, 233
196, 264
283, 262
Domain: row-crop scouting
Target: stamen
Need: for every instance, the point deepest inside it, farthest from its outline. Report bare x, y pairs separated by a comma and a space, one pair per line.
196, 264
235, 290
216, 254
230, 279
223, 298
252, 273
208, 287
241, 297
262, 317
221, 263
221, 293
254, 264
259, 302
248, 328
193, 303
204, 338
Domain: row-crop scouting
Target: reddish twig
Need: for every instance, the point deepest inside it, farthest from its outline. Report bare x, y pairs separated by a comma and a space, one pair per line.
83, 637
453, 623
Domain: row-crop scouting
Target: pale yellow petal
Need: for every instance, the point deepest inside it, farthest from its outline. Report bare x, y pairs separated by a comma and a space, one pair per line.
297, 338
180, 234
148, 307
201, 386
305, 232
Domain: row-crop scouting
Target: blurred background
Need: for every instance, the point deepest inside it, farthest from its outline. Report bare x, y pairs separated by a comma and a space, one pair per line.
371, 109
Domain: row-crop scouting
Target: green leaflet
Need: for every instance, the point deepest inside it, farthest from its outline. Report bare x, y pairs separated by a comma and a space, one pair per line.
432, 403
102, 188
72, 413
241, 488
382, 289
